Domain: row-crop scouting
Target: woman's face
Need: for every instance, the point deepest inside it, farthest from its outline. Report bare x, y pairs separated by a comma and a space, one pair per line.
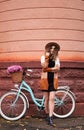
52, 49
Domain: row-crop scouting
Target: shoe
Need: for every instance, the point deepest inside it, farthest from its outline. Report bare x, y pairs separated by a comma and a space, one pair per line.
47, 117
50, 122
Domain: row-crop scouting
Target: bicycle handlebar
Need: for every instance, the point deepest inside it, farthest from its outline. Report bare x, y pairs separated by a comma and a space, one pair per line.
25, 72
30, 70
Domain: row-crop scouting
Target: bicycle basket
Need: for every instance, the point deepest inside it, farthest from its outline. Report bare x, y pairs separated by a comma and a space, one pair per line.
17, 76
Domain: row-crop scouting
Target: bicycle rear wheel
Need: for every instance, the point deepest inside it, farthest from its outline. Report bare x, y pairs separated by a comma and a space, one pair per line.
9, 110
64, 103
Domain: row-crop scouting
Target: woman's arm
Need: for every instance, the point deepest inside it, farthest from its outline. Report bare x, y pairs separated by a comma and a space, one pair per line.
44, 60
53, 69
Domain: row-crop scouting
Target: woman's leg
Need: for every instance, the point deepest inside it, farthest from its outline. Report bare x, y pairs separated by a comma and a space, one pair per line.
51, 103
51, 108
46, 103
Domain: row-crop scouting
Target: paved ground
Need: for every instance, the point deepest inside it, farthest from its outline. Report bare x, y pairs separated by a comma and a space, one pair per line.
36, 123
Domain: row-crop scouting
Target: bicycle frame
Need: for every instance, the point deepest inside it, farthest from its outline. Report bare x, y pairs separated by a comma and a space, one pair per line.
25, 86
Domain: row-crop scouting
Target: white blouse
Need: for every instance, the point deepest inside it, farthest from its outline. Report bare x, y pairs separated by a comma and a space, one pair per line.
57, 62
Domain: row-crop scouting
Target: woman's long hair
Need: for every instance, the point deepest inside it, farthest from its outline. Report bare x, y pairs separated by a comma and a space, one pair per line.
56, 49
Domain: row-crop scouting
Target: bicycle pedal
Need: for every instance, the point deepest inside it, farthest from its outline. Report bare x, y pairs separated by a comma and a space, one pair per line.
40, 108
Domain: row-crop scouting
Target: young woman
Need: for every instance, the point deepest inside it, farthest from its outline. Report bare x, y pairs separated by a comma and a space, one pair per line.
49, 78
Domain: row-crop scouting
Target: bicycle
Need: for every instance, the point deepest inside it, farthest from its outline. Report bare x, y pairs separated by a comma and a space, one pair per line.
14, 104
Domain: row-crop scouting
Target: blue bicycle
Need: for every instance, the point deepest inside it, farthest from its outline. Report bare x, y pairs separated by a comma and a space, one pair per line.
14, 104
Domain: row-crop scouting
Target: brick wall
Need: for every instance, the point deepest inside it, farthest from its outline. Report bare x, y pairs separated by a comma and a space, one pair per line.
71, 73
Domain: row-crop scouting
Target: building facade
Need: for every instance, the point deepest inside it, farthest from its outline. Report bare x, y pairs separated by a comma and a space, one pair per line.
25, 28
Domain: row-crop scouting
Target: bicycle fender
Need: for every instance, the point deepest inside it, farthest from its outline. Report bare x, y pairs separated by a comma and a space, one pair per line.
67, 88
72, 94
23, 96
63, 87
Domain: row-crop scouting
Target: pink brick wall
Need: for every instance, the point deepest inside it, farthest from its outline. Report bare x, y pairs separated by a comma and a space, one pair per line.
71, 74
25, 28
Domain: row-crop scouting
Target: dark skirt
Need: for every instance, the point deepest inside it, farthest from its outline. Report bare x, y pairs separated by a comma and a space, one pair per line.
50, 77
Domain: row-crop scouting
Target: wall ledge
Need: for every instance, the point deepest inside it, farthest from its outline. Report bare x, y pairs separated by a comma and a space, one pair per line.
36, 64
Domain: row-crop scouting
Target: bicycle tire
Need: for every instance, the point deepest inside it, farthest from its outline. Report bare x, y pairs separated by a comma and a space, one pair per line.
66, 107
10, 112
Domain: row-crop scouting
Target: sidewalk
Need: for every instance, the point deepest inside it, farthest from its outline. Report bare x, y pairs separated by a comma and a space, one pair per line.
35, 123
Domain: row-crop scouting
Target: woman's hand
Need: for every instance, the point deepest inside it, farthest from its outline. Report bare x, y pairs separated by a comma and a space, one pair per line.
54, 69
44, 65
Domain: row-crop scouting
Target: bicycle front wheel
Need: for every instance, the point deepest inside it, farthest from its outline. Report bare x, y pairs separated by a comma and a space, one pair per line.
10, 110
64, 103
